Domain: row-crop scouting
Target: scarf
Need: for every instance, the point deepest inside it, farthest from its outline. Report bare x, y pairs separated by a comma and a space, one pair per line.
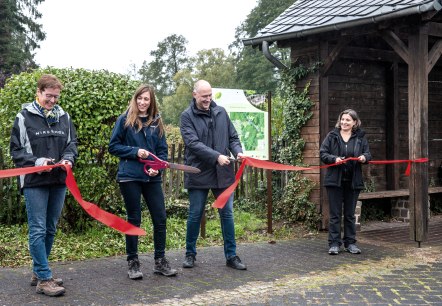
52, 116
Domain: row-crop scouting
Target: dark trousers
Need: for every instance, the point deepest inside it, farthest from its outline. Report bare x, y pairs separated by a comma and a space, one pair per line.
154, 197
338, 198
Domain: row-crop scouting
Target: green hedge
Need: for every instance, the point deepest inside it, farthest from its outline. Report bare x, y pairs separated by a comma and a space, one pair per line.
94, 99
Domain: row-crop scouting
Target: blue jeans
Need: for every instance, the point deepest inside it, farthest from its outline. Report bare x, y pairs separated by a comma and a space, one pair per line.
198, 200
154, 197
43, 205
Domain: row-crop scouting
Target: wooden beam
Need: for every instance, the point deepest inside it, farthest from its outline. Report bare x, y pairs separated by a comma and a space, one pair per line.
435, 29
418, 132
324, 129
397, 44
334, 54
392, 124
434, 55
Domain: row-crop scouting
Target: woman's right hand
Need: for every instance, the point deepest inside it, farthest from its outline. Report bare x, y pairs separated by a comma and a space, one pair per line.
142, 153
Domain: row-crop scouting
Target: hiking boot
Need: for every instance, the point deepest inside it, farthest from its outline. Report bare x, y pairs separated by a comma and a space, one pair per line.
34, 280
353, 249
162, 267
334, 250
49, 287
235, 263
189, 261
134, 269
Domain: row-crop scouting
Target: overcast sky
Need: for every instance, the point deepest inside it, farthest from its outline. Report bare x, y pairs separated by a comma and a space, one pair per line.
112, 35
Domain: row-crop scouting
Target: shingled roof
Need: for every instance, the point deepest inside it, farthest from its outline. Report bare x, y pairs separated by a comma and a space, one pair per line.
307, 17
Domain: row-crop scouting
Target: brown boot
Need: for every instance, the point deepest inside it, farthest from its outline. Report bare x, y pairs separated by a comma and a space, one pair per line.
49, 287
34, 280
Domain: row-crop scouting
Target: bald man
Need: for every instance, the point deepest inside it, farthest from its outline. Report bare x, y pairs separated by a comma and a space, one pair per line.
210, 140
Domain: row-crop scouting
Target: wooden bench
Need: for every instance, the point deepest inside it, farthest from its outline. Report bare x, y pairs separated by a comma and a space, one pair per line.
393, 193
384, 195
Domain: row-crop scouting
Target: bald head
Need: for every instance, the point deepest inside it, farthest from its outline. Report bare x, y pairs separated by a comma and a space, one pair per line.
201, 85
202, 92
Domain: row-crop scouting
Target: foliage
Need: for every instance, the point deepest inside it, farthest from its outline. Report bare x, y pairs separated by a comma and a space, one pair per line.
168, 59
254, 71
19, 36
99, 240
173, 105
94, 99
215, 67
293, 203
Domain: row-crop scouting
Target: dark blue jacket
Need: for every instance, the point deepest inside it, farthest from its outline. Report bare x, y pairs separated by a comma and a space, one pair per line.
125, 142
205, 137
333, 146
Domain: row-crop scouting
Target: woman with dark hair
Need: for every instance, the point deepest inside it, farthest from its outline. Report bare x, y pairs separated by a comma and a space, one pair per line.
344, 182
43, 134
138, 132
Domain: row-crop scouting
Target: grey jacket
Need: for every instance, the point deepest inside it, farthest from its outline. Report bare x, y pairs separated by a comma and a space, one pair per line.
207, 135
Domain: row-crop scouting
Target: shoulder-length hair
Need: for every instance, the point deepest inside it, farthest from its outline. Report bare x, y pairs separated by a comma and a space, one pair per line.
353, 115
153, 114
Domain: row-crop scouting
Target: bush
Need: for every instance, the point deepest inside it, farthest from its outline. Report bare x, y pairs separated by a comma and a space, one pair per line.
94, 99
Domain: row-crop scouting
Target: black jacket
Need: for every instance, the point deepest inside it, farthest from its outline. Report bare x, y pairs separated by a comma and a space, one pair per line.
333, 146
206, 136
32, 138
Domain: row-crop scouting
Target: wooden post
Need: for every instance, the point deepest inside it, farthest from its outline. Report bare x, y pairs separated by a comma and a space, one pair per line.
324, 129
269, 172
418, 132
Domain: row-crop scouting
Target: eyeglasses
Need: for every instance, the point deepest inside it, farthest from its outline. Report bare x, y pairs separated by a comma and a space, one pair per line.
49, 97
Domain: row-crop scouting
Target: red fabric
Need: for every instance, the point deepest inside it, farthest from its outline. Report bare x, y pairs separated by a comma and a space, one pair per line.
93, 210
264, 164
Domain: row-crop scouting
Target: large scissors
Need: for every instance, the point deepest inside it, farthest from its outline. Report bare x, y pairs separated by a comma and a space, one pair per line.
157, 164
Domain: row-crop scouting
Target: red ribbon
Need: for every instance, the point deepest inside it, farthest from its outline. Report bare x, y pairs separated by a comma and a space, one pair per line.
264, 164
93, 210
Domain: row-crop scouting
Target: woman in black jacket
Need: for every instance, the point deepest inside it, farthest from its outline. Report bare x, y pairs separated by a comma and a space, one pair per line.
344, 182
43, 134
138, 132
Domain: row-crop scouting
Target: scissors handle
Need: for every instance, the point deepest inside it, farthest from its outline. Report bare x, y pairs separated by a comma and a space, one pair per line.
155, 164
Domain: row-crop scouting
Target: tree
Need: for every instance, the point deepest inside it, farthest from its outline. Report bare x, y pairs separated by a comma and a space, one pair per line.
215, 67
175, 104
254, 71
211, 65
19, 36
169, 58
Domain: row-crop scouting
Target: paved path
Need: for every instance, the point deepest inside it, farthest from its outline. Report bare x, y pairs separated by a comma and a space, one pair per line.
297, 272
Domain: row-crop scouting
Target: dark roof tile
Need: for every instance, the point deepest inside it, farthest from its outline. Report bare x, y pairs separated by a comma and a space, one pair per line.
309, 14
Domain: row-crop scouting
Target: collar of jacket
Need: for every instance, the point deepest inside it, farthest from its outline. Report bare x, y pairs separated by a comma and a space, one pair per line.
358, 132
32, 110
197, 111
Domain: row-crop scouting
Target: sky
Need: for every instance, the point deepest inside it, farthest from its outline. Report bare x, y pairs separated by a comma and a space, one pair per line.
115, 35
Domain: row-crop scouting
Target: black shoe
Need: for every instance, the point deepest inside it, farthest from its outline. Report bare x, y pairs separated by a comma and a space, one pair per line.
134, 269
162, 266
189, 261
235, 263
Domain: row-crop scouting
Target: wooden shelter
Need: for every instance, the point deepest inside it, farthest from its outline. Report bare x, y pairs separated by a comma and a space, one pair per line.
381, 58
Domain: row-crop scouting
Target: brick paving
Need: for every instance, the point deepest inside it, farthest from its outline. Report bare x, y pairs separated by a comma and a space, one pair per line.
390, 271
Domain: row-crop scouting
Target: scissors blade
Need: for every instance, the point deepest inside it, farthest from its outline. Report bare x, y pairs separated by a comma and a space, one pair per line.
184, 168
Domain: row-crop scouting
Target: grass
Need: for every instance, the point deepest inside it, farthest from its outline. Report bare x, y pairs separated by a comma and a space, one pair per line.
101, 241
